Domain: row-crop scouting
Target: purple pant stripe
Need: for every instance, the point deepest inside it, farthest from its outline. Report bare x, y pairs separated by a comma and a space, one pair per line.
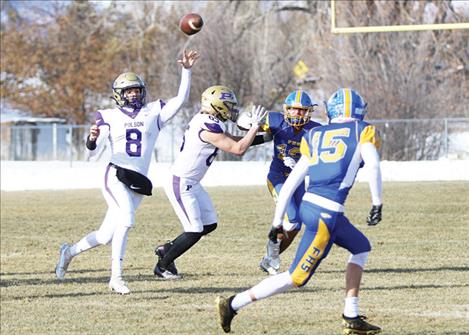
107, 187
177, 193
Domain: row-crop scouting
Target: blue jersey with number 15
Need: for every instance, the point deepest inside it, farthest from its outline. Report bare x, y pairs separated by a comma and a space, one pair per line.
334, 157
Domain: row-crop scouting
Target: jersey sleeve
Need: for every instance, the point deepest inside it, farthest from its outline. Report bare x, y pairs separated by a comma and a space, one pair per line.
212, 124
99, 119
173, 105
213, 127
371, 135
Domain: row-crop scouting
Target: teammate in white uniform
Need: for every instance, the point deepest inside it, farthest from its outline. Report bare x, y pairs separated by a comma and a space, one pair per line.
131, 128
204, 136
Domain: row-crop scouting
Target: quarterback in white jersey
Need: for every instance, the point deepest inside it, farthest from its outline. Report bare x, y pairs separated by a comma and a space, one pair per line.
131, 128
204, 136
132, 135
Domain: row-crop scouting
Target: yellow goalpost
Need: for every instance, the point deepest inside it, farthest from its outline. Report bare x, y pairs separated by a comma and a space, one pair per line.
395, 28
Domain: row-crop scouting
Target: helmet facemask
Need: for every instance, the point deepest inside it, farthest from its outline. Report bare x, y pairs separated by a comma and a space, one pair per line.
298, 99
127, 81
296, 120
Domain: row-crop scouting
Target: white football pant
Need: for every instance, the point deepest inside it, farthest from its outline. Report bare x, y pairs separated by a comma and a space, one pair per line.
191, 203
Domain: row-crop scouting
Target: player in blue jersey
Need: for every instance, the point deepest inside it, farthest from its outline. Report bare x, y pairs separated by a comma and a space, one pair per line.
330, 156
286, 130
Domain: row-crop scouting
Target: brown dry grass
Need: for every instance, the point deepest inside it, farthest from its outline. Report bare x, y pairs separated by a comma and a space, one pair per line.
416, 280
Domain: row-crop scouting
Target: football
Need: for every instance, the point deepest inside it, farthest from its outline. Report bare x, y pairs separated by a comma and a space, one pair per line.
244, 120
191, 24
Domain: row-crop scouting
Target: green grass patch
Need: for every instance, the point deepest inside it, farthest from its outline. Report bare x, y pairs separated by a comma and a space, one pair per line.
416, 280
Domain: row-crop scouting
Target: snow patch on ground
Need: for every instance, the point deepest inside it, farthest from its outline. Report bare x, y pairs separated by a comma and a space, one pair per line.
60, 175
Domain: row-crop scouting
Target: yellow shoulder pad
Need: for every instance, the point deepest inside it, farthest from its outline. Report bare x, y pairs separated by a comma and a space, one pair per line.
370, 134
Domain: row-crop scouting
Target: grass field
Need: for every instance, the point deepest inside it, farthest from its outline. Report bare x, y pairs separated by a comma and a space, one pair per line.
416, 279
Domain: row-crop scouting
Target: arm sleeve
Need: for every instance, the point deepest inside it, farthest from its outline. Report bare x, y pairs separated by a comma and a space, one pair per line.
90, 145
371, 158
295, 178
259, 139
173, 105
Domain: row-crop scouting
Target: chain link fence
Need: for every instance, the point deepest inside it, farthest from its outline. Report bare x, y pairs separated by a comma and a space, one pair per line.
402, 140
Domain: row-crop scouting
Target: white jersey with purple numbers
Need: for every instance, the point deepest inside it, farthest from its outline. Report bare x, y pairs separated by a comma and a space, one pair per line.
196, 155
132, 134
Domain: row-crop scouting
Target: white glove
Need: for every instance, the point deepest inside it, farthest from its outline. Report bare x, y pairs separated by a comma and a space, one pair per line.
289, 162
257, 115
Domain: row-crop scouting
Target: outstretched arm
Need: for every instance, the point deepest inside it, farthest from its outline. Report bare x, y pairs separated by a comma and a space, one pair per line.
263, 138
174, 104
233, 144
229, 143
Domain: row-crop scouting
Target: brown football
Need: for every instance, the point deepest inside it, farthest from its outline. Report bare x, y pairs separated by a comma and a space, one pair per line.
191, 24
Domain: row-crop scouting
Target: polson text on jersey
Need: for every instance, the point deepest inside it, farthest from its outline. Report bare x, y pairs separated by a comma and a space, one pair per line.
134, 124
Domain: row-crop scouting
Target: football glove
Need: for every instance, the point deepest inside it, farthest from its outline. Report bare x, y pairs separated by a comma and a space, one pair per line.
289, 162
375, 215
258, 115
274, 232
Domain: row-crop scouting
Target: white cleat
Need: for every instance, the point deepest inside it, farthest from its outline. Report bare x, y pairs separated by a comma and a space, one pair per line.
266, 267
119, 286
64, 260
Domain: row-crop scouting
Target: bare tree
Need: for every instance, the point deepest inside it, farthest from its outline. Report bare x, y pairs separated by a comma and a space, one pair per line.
63, 65
60, 68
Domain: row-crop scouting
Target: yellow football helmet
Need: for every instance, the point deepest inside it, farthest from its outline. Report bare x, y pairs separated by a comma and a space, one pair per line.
221, 102
125, 81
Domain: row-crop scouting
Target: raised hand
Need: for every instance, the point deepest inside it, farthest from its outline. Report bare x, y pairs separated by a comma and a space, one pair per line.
188, 58
258, 114
94, 133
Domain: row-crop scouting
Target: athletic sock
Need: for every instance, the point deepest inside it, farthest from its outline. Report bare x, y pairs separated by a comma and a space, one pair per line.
86, 243
351, 307
119, 244
180, 245
266, 288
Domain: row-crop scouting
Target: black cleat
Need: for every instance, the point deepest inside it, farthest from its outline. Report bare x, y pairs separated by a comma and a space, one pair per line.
164, 273
161, 251
358, 326
225, 312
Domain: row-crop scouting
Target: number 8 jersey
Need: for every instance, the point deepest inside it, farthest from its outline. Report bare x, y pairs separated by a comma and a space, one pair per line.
333, 152
196, 155
132, 134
